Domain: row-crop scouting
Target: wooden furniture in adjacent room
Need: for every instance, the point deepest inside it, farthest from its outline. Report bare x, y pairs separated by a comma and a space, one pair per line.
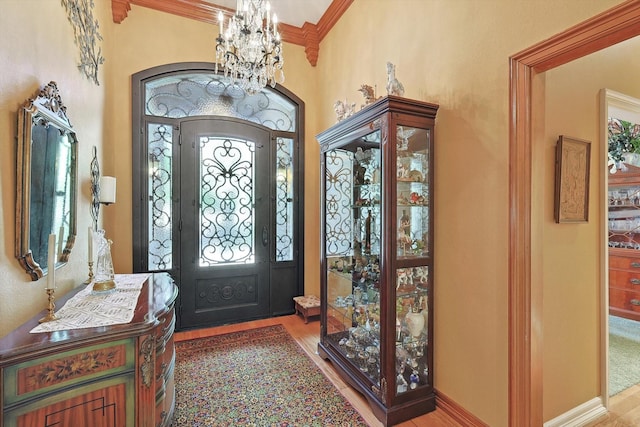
624, 242
115, 376
377, 255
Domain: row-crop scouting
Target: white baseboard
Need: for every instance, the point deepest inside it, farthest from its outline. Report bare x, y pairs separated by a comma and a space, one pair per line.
580, 415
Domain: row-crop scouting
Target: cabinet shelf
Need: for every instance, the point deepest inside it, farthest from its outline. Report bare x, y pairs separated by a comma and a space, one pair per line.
625, 206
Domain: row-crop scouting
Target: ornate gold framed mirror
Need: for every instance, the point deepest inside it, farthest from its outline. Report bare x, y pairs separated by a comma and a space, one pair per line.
46, 182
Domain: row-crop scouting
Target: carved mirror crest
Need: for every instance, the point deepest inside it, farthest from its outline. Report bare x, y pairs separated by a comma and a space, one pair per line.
46, 181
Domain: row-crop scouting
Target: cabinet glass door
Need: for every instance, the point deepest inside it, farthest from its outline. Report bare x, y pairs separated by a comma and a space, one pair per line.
413, 257
624, 217
352, 245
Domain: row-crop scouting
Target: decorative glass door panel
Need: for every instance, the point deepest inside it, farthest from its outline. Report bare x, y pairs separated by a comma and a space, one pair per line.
412, 281
284, 199
412, 191
352, 241
160, 209
226, 201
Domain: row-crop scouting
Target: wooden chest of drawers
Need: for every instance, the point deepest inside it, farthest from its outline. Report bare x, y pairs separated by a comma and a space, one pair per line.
119, 375
624, 283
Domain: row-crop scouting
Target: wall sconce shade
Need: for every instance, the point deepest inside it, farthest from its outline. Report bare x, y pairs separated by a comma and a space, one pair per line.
107, 190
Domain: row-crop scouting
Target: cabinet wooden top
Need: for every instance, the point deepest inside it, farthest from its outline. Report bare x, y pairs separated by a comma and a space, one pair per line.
157, 296
630, 175
387, 104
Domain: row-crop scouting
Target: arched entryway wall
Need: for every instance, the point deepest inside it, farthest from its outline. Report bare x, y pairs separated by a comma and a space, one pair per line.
525, 301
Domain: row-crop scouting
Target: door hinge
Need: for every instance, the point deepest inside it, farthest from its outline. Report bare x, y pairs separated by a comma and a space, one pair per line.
180, 225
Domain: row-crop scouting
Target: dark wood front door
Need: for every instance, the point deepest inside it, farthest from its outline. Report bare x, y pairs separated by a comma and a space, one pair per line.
226, 226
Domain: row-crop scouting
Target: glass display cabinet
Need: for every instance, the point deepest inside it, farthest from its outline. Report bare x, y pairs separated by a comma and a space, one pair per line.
624, 242
377, 254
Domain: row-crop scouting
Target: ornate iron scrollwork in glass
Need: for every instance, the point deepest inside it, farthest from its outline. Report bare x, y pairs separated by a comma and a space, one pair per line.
226, 201
160, 181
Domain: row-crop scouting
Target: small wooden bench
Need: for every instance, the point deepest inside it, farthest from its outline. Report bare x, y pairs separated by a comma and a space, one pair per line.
307, 306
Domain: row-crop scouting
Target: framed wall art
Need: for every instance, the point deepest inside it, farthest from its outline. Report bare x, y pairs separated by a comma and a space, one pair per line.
572, 180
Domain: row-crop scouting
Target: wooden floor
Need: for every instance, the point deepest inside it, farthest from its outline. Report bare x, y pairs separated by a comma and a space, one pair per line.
624, 408
307, 336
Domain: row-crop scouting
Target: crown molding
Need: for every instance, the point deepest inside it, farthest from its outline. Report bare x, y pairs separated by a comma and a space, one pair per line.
309, 36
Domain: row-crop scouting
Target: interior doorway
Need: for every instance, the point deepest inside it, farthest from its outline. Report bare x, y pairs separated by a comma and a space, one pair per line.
620, 114
614, 25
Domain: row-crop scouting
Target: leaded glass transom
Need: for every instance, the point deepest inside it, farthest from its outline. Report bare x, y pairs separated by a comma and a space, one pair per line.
210, 94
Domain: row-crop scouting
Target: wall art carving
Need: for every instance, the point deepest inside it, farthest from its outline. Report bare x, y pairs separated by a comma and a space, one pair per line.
87, 37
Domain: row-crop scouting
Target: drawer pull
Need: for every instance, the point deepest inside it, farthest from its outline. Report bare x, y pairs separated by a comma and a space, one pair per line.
635, 281
635, 302
635, 264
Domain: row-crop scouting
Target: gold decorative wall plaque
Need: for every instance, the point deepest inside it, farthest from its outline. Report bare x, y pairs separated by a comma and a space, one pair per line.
572, 180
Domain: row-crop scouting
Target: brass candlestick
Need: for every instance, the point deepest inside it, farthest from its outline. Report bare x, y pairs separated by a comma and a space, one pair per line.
50, 315
90, 278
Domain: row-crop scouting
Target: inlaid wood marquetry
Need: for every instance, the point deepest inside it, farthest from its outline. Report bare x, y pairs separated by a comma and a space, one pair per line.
58, 371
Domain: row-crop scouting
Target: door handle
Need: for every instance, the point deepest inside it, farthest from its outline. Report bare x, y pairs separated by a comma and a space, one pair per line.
265, 236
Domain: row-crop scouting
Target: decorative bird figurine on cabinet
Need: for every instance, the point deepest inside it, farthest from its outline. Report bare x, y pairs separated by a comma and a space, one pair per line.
369, 95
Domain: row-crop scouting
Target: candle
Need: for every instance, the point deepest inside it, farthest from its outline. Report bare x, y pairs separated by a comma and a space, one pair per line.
268, 13
51, 265
60, 242
221, 21
90, 244
107, 189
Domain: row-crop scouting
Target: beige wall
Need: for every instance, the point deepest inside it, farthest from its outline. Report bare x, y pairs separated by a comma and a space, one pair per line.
572, 295
36, 47
454, 53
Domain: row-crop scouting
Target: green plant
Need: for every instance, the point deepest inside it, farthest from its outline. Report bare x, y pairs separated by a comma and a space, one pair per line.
624, 137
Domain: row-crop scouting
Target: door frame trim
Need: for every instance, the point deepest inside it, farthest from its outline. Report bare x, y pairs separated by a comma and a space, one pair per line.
525, 301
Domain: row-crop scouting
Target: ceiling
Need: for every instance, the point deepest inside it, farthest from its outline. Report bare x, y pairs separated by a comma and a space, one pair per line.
302, 22
292, 12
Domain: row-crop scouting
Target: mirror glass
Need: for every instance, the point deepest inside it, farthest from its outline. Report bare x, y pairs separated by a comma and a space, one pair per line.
46, 182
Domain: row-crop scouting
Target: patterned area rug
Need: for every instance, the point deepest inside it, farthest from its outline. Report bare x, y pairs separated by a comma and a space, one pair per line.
259, 377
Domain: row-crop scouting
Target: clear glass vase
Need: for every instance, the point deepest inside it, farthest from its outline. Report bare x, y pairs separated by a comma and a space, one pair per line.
104, 276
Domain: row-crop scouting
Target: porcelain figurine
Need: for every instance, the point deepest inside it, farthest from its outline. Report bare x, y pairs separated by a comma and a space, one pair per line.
394, 87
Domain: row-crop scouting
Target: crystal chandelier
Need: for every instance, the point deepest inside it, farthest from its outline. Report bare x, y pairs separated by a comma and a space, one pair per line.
249, 46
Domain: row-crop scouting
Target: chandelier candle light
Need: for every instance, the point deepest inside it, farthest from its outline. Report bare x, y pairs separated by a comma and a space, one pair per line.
249, 48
